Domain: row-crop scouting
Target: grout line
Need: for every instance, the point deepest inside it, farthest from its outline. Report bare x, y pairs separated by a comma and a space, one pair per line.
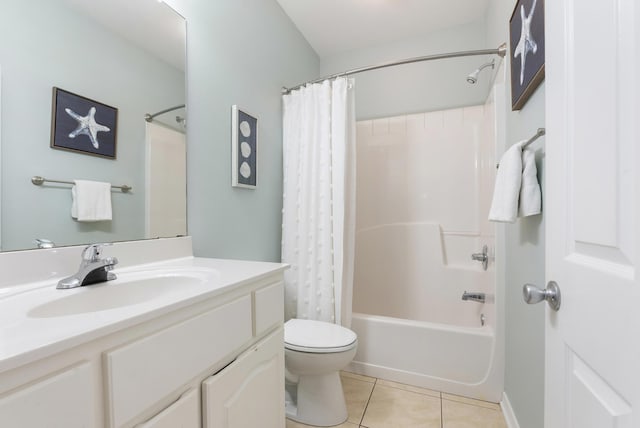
415, 392
368, 400
441, 412
473, 403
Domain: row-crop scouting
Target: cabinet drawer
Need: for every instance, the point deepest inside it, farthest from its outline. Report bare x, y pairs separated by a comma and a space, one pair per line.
184, 413
145, 372
269, 306
64, 400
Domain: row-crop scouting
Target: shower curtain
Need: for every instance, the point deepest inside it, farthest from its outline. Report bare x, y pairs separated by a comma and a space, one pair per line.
318, 216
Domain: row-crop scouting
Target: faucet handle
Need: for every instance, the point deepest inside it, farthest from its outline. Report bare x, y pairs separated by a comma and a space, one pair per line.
482, 257
44, 243
91, 253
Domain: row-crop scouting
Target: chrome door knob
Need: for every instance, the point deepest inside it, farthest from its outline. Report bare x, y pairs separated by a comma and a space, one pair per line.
551, 294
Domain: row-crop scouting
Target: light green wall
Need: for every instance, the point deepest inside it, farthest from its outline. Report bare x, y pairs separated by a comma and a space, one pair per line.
419, 87
524, 257
238, 52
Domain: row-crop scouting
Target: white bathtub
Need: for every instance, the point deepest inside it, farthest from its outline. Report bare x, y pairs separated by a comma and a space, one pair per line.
457, 360
412, 324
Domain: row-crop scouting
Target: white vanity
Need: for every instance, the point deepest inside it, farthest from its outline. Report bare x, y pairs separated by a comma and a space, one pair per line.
175, 341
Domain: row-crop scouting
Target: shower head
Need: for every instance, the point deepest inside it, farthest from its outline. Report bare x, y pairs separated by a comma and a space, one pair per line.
472, 78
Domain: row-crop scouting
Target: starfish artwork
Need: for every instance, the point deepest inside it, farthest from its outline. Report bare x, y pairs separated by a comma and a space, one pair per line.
87, 125
526, 44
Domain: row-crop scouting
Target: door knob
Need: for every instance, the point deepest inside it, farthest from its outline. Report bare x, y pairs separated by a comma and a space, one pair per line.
551, 294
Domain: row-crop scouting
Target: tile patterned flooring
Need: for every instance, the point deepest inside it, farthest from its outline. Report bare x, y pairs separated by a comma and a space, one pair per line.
377, 403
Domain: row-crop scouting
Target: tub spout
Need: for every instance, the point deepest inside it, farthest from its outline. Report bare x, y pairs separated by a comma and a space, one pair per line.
476, 297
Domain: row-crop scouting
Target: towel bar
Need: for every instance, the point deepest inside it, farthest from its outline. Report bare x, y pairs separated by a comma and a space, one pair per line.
38, 181
539, 133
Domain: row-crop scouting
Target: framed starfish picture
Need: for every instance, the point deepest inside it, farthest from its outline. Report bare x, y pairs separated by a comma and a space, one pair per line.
82, 125
526, 34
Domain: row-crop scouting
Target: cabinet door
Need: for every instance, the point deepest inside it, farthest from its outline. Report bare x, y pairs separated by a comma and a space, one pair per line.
60, 401
250, 391
184, 413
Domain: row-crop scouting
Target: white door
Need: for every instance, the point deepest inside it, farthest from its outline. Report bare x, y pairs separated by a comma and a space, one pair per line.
592, 208
166, 182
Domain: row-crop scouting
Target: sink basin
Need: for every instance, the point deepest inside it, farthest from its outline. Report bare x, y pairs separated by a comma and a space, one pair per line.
130, 288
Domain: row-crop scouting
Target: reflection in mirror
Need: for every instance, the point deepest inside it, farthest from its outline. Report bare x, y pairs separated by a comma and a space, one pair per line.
124, 54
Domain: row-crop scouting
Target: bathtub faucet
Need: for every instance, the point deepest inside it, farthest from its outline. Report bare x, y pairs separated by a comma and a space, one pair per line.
476, 297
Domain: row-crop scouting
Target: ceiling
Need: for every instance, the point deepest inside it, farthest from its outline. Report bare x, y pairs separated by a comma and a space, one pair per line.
334, 26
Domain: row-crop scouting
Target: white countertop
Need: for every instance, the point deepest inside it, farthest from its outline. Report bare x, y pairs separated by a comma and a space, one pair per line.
26, 335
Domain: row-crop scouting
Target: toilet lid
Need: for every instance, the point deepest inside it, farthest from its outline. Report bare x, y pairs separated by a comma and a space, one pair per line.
317, 336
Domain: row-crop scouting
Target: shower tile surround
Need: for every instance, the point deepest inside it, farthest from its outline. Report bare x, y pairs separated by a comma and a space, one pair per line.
376, 403
424, 187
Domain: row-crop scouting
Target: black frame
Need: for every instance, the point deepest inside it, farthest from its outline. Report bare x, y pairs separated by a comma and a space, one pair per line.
63, 124
238, 139
534, 65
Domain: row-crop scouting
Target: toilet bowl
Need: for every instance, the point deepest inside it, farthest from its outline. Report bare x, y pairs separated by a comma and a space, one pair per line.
314, 354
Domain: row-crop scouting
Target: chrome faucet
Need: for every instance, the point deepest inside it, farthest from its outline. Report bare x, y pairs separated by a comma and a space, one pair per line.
476, 297
44, 243
93, 269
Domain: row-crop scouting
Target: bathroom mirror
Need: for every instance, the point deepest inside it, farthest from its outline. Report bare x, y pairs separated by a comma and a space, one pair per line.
129, 55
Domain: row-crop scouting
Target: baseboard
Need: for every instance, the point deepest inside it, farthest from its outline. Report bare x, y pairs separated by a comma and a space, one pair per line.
507, 411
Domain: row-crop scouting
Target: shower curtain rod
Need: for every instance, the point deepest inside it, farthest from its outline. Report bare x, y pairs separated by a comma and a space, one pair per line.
500, 51
149, 117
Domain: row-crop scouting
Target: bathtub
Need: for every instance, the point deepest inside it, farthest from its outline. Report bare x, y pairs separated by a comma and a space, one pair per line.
453, 359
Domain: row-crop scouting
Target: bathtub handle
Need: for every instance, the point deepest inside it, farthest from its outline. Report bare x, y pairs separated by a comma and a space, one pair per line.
551, 294
482, 257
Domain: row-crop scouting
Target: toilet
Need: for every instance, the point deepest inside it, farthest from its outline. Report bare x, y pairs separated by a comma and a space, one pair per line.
314, 354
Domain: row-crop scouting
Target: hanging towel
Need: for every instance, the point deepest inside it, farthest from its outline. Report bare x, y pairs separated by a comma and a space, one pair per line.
504, 206
530, 199
91, 200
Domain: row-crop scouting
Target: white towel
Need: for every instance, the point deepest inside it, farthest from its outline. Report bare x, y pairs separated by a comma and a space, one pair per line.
91, 200
504, 206
530, 199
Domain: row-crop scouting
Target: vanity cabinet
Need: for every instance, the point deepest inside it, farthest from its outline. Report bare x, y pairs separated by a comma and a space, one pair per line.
242, 394
215, 362
144, 372
62, 400
184, 413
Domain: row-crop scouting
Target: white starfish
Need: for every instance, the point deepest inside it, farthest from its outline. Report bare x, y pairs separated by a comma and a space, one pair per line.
87, 125
526, 43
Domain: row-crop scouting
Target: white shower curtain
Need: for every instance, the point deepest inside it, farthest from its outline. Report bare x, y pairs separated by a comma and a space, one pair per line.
318, 216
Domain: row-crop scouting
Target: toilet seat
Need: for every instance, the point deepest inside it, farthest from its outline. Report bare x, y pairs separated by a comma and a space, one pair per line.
317, 337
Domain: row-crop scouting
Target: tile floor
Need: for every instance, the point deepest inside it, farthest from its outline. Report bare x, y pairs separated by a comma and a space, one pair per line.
377, 403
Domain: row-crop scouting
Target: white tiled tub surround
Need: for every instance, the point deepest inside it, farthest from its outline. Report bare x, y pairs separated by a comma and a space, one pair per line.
424, 186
